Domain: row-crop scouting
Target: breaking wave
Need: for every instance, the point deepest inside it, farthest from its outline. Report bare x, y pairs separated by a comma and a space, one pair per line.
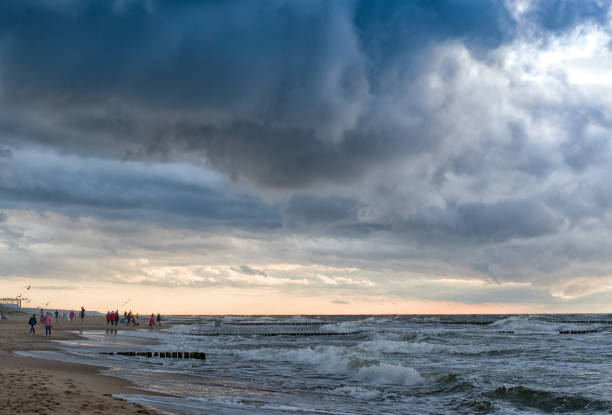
334, 360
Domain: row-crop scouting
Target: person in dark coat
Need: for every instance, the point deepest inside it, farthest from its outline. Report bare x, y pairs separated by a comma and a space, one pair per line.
32, 323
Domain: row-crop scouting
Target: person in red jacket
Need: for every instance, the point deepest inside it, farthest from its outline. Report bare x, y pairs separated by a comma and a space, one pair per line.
152, 320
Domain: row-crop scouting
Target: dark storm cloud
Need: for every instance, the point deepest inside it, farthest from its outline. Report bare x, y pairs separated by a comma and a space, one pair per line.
393, 30
283, 157
283, 93
278, 92
484, 222
472, 223
561, 15
306, 210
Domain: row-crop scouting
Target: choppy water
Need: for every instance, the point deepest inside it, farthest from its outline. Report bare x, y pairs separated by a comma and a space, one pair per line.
390, 365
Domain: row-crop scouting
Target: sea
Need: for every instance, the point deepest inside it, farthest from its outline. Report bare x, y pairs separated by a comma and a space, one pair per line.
396, 364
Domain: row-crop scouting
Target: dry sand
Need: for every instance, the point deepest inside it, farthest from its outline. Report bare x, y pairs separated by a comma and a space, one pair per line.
40, 386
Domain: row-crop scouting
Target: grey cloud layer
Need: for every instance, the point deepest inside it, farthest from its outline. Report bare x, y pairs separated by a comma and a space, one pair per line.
395, 124
179, 195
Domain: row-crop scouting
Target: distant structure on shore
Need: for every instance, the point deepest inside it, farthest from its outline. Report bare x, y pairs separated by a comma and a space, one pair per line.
12, 302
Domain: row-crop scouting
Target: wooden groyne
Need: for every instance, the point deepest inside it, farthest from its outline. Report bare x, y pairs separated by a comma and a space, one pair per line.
487, 322
462, 322
324, 333
317, 333
580, 321
578, 331
163, 355
303, 323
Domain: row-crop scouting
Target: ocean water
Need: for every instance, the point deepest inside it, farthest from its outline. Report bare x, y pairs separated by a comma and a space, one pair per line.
489, 364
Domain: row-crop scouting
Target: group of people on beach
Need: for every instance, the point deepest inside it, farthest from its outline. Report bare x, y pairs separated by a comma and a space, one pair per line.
47, 320
113, 318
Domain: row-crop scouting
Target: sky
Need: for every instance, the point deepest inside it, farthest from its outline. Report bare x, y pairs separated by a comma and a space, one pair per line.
306, 156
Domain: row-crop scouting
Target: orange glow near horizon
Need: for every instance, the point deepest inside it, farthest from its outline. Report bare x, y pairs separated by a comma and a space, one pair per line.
239, 301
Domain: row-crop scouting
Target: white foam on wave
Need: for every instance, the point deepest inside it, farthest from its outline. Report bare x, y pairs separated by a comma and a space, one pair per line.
385, 373
330, 358
389, 346
421, 347
518, 323
357, 392
342, 327
529, 325
336, 360
375, 319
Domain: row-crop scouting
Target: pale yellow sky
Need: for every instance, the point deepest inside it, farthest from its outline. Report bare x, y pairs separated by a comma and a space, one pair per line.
216, 300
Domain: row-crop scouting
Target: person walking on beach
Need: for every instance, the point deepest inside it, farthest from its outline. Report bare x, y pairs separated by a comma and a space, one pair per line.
116, 317
111, 318
71, 315
32, 323
42, 314
158, 319
48, 322
82, 314
56, 315
152, 320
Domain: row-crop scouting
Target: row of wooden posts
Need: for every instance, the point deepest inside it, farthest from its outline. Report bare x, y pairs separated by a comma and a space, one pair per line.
300, 323
168, 355
486, 323
299, 333
560, 331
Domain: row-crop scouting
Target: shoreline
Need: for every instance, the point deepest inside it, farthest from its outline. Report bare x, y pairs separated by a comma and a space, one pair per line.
46, 386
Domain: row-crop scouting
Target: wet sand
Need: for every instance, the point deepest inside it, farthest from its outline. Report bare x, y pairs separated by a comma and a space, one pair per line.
41, 386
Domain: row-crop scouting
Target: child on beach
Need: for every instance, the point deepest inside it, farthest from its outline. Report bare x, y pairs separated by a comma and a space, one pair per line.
71, 315
32, 323
48, 321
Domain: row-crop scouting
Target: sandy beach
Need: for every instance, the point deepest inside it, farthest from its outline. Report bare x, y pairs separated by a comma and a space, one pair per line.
40, 386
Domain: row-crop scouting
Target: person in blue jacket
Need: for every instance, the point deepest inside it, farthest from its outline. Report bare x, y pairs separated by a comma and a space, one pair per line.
32, 323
